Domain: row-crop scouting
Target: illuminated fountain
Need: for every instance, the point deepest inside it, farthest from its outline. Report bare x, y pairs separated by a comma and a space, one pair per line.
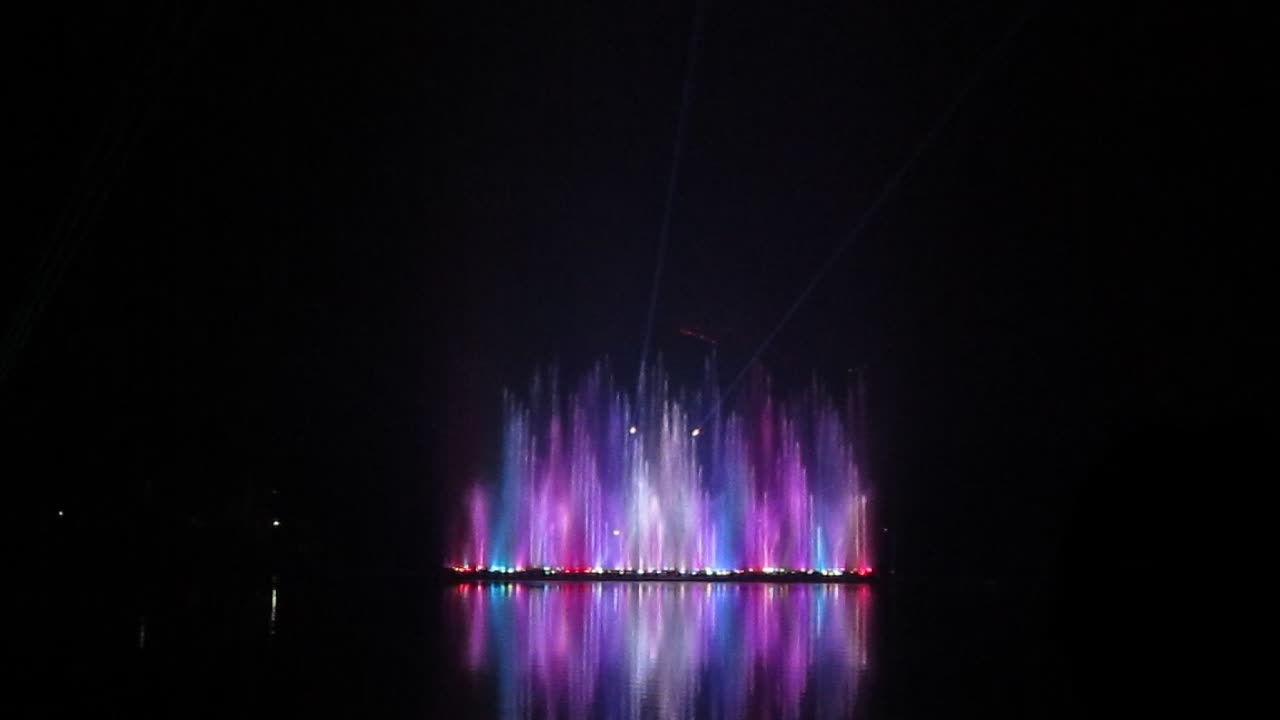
594, 481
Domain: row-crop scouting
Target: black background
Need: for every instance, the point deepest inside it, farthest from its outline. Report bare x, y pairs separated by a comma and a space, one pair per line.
311, 244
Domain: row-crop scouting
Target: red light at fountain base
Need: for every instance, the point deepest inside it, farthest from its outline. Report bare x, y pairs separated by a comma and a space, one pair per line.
701, 574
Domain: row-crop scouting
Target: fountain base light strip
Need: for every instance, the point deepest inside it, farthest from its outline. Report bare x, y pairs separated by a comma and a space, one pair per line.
560, 573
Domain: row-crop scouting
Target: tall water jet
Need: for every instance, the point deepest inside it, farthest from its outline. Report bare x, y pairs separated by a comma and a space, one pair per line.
597, 480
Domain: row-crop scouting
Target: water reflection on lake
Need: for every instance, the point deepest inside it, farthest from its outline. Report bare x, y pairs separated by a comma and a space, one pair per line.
669, 650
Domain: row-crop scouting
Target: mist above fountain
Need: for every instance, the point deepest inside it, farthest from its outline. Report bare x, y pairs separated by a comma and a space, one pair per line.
663, 482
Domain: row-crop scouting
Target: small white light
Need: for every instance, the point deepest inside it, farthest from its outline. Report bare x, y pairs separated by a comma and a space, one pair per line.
615, 532
275, 523
632, 430
59, 513
696, 432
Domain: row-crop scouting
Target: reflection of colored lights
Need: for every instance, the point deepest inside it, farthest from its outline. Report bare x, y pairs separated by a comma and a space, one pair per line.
558, 651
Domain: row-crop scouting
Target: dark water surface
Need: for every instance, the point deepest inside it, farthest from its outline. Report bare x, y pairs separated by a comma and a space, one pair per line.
413, 648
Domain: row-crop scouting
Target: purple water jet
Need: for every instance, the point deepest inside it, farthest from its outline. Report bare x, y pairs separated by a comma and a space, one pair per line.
599, 480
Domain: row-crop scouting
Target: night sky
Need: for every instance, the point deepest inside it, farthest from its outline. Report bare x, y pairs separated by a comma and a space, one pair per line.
302, 251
